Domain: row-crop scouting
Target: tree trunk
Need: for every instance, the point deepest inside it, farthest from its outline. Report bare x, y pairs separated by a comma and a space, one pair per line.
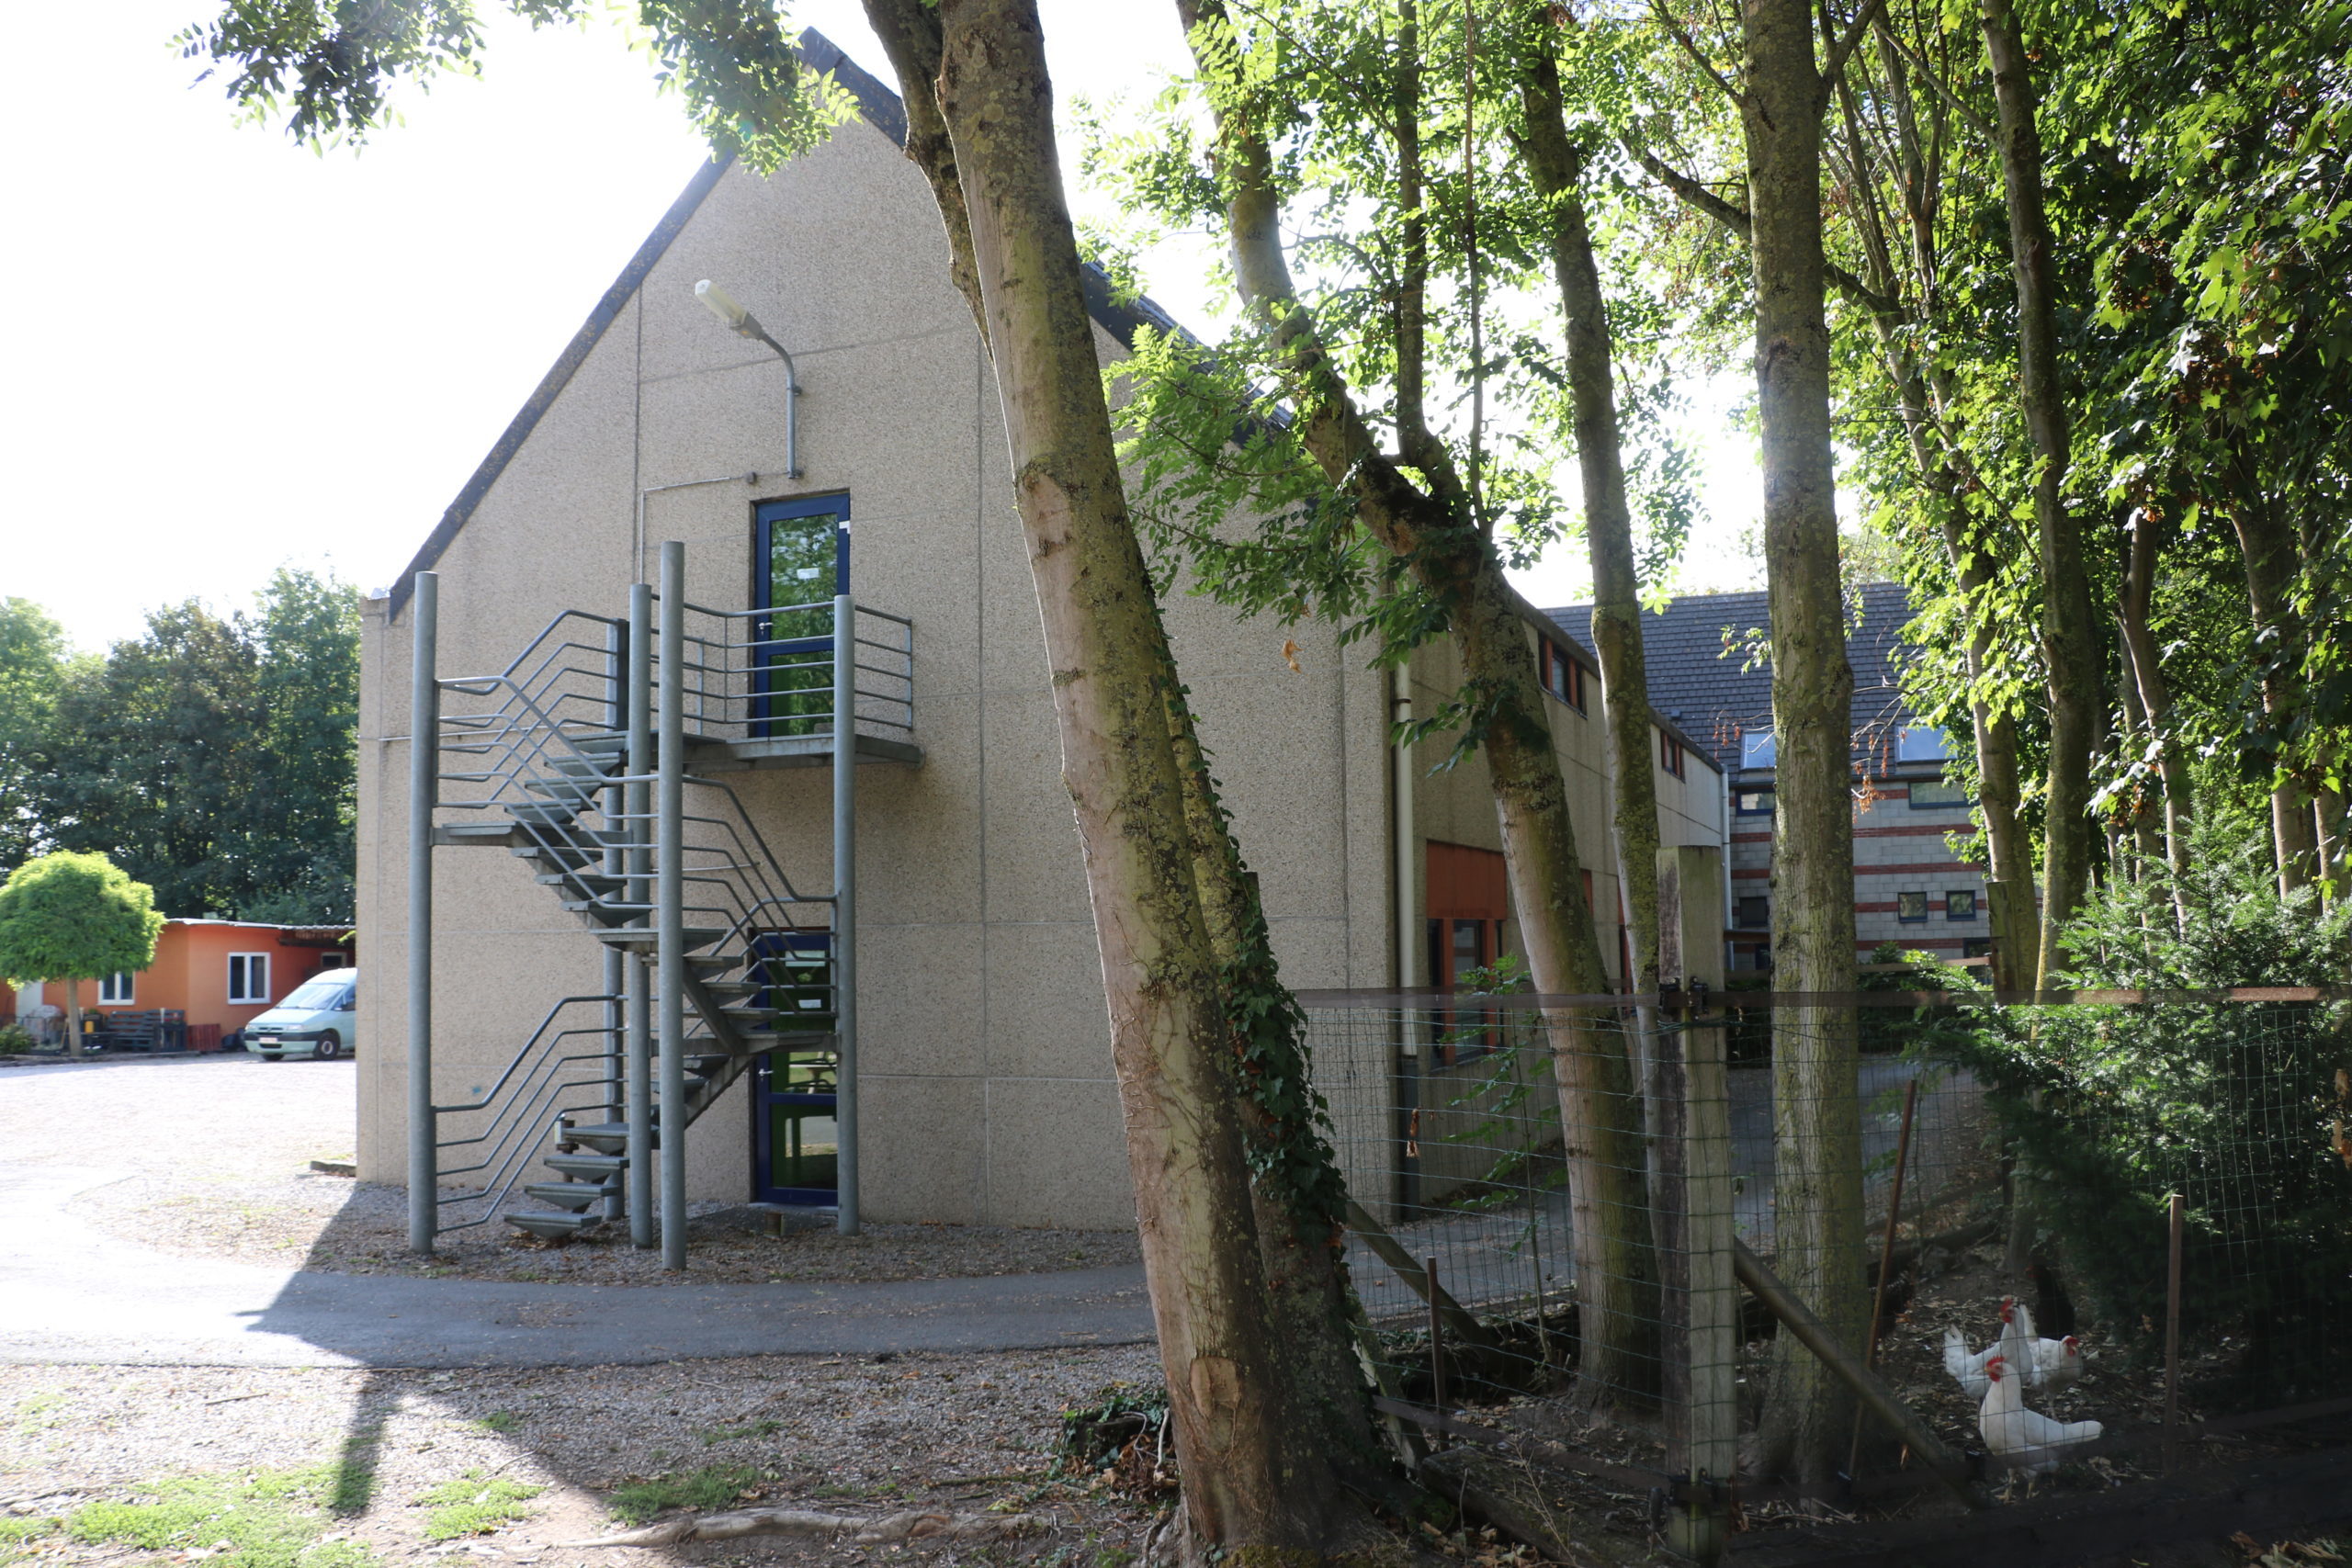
1298, 1200
2069, 649
2146, 674
1554, 166
1250, 1479
1816, 1118
2331, 833
73, 1017
1616, 1286
2270, 565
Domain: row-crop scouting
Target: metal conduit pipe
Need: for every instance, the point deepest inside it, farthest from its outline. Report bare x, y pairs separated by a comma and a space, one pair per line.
1402, 829
424, 791
669, 896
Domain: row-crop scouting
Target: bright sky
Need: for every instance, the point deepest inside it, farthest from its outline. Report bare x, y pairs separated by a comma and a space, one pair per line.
231, 354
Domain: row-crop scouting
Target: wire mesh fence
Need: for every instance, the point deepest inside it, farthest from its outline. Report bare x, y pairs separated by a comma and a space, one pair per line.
1683, 1244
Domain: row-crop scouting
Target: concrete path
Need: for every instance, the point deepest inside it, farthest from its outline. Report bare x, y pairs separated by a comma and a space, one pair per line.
69, 1293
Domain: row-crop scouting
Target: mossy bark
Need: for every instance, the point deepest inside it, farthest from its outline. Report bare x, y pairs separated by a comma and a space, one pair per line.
1252, 1480
1816, 1117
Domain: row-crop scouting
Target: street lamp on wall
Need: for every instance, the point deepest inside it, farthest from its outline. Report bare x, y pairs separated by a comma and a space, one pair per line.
743, 324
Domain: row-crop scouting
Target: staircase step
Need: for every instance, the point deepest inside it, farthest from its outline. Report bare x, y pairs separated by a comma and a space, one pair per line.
579, 793
549, 816
594, 884
555, 1227
645, 938
574, 1197
588, 1167
609, 1139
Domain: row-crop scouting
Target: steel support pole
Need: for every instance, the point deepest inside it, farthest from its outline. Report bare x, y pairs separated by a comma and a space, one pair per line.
638, 809
423, 792
670, 902
616, 862
845, 911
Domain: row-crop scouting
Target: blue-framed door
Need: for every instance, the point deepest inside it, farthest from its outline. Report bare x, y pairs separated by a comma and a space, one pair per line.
795, 1101
801, 561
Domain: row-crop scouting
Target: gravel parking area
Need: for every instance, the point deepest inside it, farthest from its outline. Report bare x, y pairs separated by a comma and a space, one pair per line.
859, 1436
216, 1154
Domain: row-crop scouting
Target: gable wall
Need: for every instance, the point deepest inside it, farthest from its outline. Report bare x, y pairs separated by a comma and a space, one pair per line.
987, 1094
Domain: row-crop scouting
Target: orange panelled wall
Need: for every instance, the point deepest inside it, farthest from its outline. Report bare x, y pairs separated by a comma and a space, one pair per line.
191, 973
1466, 883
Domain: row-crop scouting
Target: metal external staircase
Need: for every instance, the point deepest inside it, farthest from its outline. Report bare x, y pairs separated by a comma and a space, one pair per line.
596, 759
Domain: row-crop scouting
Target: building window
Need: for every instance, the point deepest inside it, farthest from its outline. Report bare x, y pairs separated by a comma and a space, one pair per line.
115, 989
248, 977
1669, 753
1752, 802
1959, 904
1757, 748
1921, 743
1563, 676
1754, 912
1935, 794
1910, 907
1976, 947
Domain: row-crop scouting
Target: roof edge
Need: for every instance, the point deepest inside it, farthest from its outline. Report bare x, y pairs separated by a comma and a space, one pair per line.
880, 107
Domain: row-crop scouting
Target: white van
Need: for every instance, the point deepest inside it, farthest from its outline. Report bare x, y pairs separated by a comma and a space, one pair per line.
316, 1019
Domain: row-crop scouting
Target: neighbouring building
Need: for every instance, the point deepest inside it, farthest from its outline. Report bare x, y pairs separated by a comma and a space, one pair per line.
658, 443
1709, 676
220, 975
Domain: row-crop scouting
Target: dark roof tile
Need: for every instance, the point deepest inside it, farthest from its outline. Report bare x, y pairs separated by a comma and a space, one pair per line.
1709, 670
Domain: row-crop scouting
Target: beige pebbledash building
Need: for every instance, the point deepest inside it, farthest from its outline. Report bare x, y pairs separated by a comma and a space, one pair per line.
983, 1082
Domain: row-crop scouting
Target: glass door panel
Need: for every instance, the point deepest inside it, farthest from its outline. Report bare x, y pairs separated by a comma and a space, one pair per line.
795, 1144
803, 562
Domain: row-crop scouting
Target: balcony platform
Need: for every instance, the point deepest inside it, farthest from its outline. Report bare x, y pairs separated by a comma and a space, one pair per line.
706, 755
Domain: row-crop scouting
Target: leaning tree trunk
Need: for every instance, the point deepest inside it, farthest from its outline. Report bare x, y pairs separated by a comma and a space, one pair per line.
1251, 1483
1297, 1196
2070, 648
1818, 1216
1553, 165
1616, 1281
2146, 675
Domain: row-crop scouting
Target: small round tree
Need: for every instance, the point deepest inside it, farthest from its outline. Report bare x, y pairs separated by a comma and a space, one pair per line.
71, 917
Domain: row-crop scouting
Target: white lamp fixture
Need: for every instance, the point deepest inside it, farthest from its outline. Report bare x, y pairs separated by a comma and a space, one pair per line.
743, 324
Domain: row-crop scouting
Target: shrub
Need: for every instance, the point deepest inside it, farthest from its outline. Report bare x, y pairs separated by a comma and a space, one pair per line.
2234, 1105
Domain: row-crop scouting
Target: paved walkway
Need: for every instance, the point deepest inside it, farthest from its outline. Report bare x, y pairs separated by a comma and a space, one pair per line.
70, 1294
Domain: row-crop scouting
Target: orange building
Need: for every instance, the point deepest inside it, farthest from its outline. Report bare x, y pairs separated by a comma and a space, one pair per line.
224, 973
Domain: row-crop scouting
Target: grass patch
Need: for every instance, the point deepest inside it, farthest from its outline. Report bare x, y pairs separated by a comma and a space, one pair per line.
473, 1505
712, 1486
269, 1520
37, 1412
749, 1429
500, 1421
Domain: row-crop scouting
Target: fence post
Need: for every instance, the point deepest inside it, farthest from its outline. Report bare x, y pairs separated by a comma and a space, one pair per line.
639, 806
845, 913
1693, 1202
424, 792
669, 896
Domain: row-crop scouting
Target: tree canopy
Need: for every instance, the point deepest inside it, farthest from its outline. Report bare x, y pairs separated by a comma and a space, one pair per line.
213, 757
74, 917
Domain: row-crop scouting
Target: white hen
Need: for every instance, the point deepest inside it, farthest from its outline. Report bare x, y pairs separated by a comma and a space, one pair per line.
1966, 1366
2051, 1361
2028, 1439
